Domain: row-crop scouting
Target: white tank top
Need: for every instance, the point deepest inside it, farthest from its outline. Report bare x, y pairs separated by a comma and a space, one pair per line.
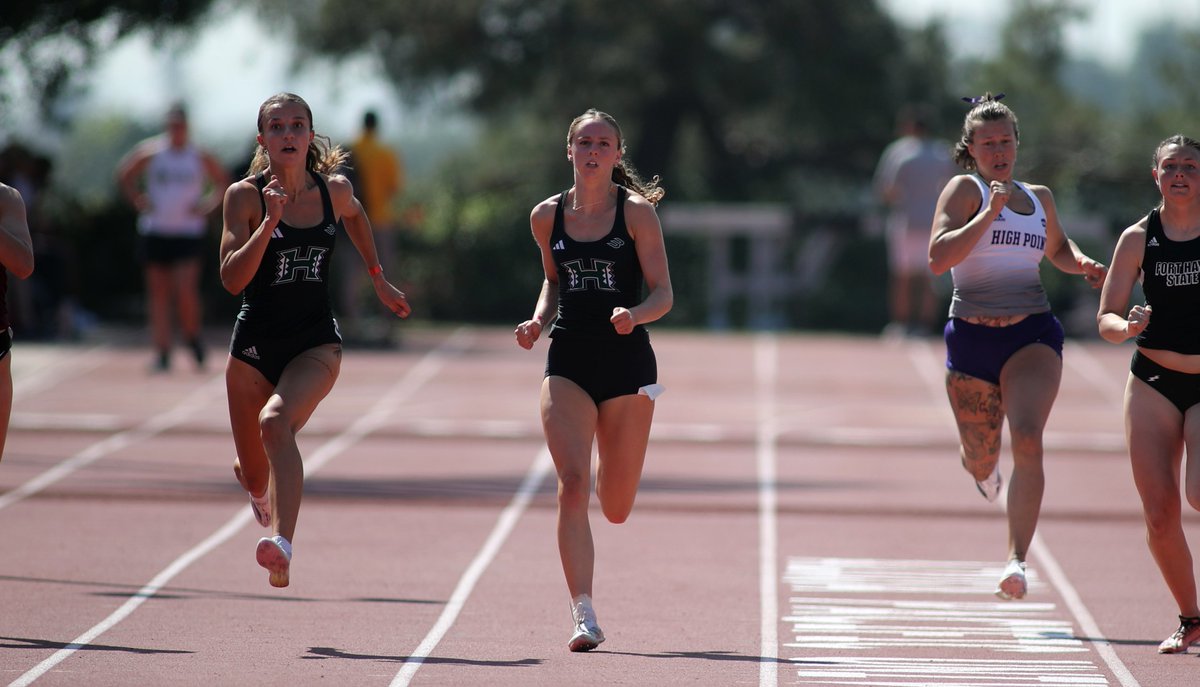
1001, 275
174, 184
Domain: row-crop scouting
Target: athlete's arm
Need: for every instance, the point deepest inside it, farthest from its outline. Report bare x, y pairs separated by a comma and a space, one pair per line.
16, 247
358, 228
1062, 252
129, 174
244, 235
1115, 323
959, 222
541, 224
218, 180
646, 231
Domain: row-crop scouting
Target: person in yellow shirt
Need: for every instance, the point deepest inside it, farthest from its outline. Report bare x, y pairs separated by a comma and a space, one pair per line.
378, 173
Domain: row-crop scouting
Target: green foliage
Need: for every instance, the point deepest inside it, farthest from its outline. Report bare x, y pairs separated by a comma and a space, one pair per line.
52, 39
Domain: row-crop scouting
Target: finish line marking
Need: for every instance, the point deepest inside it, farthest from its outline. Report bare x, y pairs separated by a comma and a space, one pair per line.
906, 641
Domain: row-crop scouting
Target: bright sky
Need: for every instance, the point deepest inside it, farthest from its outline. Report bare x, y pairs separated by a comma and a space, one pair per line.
1109, 34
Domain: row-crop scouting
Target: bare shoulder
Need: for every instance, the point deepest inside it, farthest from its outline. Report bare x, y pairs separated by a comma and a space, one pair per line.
338, 183
10, 197
542, 214
637, 208
1137, 230
1043, 193
242, 193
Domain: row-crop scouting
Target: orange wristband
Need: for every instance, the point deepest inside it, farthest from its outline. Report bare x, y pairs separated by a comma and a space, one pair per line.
375, 271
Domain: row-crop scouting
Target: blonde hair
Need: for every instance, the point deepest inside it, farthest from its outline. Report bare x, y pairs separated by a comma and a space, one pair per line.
323, 156
623, 173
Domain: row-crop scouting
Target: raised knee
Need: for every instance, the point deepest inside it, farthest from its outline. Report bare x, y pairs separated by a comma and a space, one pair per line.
617, 516
273, 428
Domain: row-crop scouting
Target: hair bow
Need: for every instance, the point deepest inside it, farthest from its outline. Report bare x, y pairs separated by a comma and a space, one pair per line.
983, 98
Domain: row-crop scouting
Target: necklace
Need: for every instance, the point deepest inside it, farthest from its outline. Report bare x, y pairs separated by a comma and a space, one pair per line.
576, 207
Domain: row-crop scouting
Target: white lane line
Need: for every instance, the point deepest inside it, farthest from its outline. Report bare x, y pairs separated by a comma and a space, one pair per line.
919, 353
1086, 622
35, 368
766, 369
186, 409
378, 414
538, 471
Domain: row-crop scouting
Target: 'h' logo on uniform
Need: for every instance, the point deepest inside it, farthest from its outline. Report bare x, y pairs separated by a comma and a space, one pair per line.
599, 276
292, 266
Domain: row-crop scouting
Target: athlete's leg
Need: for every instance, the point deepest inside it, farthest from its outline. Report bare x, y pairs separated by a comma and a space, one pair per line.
979, 416
6, 394
569, 422
1028, 386
622, 434
186, 277
159, 295
1155, 431
305, 381
248, 391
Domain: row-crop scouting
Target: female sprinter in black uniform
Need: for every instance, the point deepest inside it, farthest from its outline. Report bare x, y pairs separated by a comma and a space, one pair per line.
600, 241
280, 225
1161, 252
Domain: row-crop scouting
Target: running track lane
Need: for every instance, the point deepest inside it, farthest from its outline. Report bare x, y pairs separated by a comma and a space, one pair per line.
848, 463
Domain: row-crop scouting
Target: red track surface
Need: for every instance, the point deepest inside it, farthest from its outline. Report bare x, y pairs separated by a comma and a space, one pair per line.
802, 520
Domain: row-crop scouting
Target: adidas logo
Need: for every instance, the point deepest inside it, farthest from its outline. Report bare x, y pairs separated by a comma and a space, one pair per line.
616, 243
330, 229
559, 246
1152, 242
277, 234
251, 353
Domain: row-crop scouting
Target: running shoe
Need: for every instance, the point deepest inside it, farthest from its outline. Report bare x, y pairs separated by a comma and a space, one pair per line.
990, 487
1187, 634
275, 554
587, 635
1012, 581
261, 507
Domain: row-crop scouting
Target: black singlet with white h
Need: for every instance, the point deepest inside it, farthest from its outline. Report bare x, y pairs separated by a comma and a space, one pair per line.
290, 290
594, 276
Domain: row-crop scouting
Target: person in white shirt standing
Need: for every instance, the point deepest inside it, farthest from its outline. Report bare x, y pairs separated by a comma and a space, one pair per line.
174, 186
911, 174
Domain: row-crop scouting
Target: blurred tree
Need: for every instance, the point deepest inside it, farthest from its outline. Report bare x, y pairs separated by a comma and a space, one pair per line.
51, 39
1059, 132
757, 87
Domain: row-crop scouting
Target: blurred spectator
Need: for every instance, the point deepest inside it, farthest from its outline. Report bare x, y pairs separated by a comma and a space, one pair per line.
43, 306
911, 174
377, 172
175, 186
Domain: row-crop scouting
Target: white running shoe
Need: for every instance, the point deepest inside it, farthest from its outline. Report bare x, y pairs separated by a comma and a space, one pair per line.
275, 554
587, 635
261, 507
1012, 581
1187, 634
990, 487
